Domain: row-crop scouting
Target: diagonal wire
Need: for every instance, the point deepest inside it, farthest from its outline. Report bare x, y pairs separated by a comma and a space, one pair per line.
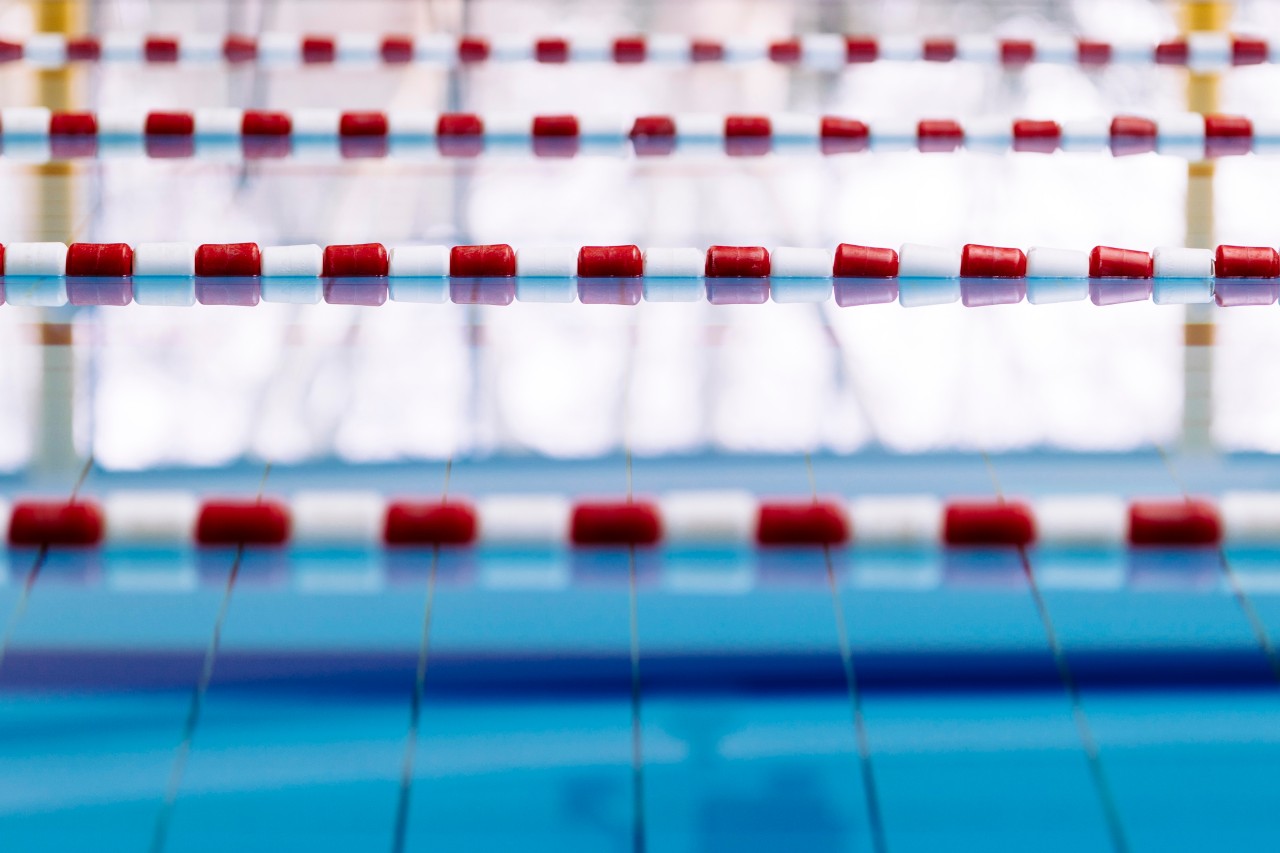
29, 581
400, 829
1093, 756
1245, 602
182, 755
160, 832
871, 791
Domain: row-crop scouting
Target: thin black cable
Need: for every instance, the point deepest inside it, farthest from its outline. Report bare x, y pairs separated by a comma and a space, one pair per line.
403, 799
20, 606
160, 832
400, 827
1093, 756
1111, 811
29, 581
1238, 591
871, 791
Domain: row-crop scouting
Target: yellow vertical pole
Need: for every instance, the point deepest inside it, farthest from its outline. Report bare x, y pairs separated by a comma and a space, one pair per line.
55, 89
53, 220
1203, 96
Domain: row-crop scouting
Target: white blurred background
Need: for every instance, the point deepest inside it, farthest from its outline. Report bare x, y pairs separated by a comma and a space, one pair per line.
149, 387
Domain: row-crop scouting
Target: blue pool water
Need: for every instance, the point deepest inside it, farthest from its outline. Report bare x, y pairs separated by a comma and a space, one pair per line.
747, 734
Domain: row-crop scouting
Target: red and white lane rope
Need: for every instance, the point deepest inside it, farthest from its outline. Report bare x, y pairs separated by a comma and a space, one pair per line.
38, 133
162, 518
50, 274
1201, 51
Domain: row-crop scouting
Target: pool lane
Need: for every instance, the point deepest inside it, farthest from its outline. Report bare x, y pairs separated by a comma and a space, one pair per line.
1166, 616
536, 752
763, 766
88, 767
